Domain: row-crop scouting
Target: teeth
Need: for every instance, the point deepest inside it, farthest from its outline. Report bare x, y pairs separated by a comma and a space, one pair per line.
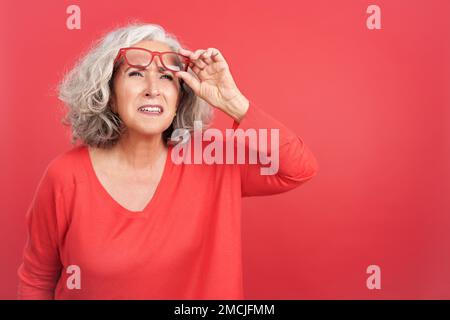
151, 109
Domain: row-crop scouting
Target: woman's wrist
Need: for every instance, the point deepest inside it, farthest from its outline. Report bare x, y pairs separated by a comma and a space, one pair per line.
237, 107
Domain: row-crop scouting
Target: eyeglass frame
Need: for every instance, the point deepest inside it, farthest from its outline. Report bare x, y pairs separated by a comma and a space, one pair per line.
122, 52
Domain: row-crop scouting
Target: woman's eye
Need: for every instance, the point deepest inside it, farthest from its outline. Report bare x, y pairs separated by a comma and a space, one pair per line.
131, 74
168, 76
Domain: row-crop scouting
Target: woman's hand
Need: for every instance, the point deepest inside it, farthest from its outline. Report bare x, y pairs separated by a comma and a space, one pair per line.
215, 83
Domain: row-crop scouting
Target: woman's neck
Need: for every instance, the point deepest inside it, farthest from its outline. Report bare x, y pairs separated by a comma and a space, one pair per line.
139, 153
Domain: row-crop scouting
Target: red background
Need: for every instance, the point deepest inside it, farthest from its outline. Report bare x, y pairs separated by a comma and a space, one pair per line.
373, 106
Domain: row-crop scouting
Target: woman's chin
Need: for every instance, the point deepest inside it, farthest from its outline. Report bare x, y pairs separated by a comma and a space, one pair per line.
148, 126
151, 130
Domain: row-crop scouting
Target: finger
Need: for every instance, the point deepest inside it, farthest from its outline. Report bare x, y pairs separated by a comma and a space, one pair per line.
206, 56
194, 57
188, 54
197, 54
200, 74
200, 64
193, 83
217, 56
184, 51
197, 70
200, 58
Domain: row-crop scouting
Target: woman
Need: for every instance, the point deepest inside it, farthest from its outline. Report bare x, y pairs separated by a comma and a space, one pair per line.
115, 217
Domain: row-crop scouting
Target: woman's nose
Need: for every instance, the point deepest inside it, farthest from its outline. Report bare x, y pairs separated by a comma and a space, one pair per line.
152, 93
152, 88
153, 83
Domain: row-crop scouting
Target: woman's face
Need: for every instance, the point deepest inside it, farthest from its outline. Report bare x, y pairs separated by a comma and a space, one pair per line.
134, 88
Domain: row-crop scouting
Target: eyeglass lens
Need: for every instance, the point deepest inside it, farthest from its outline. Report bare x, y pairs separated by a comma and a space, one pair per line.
171, 61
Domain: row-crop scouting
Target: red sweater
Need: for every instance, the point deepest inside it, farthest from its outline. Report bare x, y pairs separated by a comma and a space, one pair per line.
186, 244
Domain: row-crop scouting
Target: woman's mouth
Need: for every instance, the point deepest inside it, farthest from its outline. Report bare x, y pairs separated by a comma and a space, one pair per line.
151, 110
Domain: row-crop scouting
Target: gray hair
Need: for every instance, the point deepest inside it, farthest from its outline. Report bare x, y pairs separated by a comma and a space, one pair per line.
86, 90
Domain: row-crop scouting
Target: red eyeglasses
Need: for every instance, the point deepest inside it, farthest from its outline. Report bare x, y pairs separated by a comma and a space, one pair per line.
142, 58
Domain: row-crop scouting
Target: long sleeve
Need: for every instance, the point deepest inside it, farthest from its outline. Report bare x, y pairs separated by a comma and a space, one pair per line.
166, 251
296, 163
40, 268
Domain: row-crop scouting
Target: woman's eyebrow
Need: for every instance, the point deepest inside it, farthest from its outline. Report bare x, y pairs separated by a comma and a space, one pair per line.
129, 68
160, 69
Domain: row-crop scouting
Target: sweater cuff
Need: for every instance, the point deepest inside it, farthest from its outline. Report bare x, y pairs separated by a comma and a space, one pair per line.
246, 121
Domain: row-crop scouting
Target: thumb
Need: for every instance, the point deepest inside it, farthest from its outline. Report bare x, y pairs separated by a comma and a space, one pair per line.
191, 81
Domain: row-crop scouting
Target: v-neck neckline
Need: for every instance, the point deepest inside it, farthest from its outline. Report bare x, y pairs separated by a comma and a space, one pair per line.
105, 194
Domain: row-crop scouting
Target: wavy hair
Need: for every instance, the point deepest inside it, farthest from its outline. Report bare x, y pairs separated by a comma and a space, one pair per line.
86, 90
